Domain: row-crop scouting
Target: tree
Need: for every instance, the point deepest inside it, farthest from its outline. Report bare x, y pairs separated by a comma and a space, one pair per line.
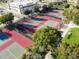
60, 52
67, 13
50, 5
47, 37
32, 53
67, 5
7, 18
36, 9
26, 12
76, 22
77, 6
44, 39
66, 51
4, 1
72, 13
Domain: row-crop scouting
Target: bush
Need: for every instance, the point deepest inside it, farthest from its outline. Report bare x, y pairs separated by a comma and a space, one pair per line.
67, 6
26, 12
50, 5
59, 3
36, 9
6, 17
24, 56
76, 22
48, 37
77, 7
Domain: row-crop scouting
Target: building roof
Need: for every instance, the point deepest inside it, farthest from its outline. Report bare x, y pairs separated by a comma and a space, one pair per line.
23, 2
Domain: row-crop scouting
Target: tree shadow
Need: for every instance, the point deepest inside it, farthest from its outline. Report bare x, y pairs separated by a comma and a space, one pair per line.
38, 19
25, 27
54, 11
4, 36
11, 27
8, 34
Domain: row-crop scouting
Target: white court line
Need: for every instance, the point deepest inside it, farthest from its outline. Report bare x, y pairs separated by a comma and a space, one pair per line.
11, 53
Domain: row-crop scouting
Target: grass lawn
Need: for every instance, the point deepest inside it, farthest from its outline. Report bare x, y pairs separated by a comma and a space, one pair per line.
74, 38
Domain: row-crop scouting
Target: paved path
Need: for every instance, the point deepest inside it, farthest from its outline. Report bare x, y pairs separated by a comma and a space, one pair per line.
70, 25
67, 29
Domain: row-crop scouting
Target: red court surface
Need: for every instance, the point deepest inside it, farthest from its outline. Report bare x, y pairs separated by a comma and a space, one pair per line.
24, 41
58, 22
47, 20
14, 47
18, 38
50, 18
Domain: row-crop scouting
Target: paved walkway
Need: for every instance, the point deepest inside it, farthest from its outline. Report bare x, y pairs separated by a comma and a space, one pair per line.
70, 25
67, 29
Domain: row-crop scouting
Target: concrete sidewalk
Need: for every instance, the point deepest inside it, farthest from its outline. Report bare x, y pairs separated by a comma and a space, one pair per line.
70, 25
67, 29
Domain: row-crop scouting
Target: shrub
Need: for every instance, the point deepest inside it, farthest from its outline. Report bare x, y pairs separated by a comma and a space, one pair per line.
50, 5
67, 6
36, 9
77, 7
76, 22
26, 12
6, 17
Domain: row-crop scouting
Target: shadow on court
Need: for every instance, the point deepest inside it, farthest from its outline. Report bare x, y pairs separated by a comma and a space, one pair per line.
4, 36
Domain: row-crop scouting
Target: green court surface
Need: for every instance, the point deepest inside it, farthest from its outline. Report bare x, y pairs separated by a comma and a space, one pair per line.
74, 38
6, 55
12, 52
36, 22
48, 23
42, 26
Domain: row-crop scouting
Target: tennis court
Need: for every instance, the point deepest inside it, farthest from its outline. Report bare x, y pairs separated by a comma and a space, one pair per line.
28, 25
31, 25
13, 48
40, 22
12, 52
49, 23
